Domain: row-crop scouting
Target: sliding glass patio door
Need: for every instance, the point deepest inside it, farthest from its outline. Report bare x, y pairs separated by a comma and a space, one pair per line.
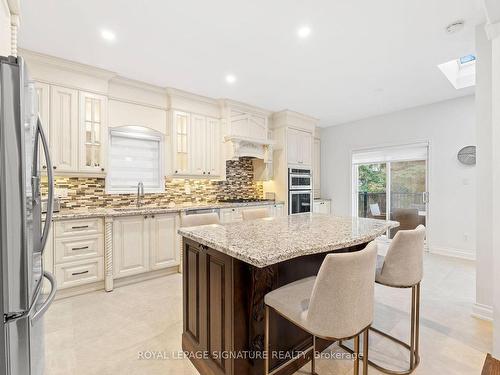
391, 183
408, 194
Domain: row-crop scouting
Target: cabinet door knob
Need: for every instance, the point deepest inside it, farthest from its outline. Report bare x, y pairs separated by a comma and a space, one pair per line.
145, 216
102, 169
175, 171
152, 216
44, 166
208, 172
54, 167
204, 172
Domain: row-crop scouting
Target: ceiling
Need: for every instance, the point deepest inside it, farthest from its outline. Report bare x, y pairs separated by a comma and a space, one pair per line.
362, 58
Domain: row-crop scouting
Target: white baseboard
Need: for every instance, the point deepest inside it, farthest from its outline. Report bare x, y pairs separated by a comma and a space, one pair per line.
483, 312
450, 252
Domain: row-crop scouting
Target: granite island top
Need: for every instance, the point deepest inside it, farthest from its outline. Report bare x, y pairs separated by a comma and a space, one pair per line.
264, 242
68, 214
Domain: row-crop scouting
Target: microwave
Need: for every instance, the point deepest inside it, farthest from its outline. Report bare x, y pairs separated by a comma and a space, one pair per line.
299, 179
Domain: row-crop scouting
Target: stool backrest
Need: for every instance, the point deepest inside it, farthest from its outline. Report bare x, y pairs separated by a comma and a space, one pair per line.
403, 264
255, 213
199, 219
342, 299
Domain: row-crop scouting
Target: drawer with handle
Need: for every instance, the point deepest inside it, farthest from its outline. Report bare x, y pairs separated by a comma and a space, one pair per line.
69, 249
65, 228
79, 273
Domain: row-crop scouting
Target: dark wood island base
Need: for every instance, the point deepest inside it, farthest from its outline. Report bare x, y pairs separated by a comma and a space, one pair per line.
223, 300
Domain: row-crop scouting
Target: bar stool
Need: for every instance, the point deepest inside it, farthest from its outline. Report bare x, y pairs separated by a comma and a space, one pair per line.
199, 219
337, 304
255, 213
402, 267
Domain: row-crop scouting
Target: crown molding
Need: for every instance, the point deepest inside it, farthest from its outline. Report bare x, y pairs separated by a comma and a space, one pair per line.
244, 107
137, 84
67, 65
297, 115
189, 95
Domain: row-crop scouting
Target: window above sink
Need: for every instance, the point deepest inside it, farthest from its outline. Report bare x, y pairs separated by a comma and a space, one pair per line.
135, 154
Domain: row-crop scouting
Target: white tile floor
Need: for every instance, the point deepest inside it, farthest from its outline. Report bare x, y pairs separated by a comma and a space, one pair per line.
103, 333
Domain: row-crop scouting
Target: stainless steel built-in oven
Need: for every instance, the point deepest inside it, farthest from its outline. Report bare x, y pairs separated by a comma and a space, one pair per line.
299, 201
299, 179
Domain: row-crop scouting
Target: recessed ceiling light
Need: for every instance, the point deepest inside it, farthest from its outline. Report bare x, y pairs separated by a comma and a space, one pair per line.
303, 32
455, 26
230, 78
108, 35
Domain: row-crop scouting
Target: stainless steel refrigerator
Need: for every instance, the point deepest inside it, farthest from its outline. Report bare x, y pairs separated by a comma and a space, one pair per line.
23, 235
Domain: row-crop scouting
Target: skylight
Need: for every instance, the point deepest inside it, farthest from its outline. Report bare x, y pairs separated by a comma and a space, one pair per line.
460, 72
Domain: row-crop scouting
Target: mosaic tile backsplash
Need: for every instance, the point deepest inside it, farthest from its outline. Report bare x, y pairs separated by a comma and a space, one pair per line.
86, 192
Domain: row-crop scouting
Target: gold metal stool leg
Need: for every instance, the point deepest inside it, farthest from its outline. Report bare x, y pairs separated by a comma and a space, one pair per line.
266, 341
365, 351
313, 358
414, 336
356, 353
413, 347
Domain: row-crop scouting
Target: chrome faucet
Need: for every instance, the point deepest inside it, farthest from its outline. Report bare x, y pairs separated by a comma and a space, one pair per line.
140, 193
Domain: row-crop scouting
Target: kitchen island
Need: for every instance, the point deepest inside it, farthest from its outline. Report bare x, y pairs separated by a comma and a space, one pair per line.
228, 269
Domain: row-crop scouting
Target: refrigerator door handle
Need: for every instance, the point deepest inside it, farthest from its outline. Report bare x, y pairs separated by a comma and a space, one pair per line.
50, 180
49, 299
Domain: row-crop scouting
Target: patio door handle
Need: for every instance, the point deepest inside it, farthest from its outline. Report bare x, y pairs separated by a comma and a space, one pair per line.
425, 197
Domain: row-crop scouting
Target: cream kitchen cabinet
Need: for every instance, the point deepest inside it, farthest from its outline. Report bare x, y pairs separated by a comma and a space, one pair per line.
93, 132
181, 146
299, 148
163, 241
322, 206
76, 126
78, 252
63, 131
213, 143
130, 246
197, 145
317, 168
278, 210
144, 243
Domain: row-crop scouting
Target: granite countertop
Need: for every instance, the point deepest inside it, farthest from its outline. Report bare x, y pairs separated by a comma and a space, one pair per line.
68, 214
264, 242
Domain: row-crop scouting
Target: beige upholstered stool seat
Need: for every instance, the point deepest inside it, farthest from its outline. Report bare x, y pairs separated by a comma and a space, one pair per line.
255, 213
199, 219
402, 267
292, 300
337, 304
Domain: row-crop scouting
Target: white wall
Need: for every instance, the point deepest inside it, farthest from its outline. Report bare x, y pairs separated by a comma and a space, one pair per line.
484, 133
448, 126
4, 28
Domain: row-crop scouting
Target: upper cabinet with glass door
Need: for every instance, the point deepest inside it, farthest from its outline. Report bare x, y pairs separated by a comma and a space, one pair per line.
180, 143
93, 131
197, 145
